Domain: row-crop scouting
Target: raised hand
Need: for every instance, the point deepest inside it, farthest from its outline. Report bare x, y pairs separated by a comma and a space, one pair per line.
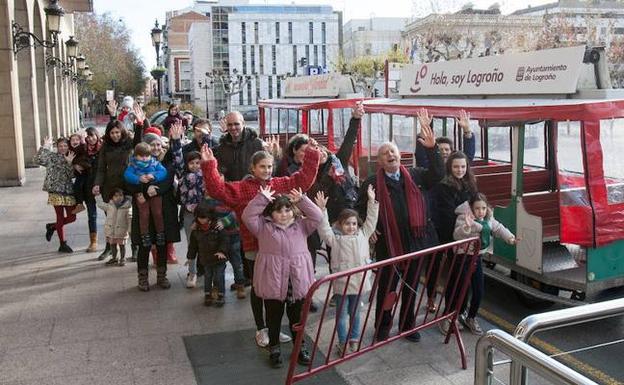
47, 142
358, 111
426, 136
219, 225
463, 119
295, 195
111, 106
267, 192
70, 156
176, 131
138, 113
220, 256
370, 192
423, 118
321, 200
206, 153
223, 125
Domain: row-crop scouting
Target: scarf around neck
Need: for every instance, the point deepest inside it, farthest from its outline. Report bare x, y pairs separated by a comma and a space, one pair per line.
95, 148
486, 232
415, 210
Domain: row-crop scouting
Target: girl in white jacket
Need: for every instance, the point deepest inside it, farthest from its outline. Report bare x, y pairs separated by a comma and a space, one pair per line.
118, 222
350, 249
475, 219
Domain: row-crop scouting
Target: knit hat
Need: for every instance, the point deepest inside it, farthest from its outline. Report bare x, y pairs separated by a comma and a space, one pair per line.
151, 137
128, 102
152, 130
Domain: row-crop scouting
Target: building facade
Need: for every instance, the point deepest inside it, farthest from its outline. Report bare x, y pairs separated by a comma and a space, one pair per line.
372, 37
258, 44
39, 100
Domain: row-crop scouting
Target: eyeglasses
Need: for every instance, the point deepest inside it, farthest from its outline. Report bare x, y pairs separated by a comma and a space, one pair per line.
233, 124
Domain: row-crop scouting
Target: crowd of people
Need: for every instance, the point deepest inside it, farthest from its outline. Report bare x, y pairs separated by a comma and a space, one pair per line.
248, 202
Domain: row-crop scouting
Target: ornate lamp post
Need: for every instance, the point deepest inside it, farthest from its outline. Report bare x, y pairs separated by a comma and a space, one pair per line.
206, 86
157, 73
22, 39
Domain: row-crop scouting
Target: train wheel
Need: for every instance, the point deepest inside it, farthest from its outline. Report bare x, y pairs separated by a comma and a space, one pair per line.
578, 295
530, 301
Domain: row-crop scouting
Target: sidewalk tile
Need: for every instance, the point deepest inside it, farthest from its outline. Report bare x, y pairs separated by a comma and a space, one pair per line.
163, 322
44, 362
89, 328
129, 352
178, 374
25, 334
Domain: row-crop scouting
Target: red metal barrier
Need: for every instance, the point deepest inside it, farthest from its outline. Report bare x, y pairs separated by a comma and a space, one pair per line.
411, 274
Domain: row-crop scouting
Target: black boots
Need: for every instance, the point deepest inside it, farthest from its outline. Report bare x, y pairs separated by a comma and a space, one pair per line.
105, 253
64, 248
161, 278
143, 280
50, 227
275, 357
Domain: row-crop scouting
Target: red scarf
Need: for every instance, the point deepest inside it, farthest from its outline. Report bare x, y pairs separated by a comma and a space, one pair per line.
415, 210
204, 226
95, 148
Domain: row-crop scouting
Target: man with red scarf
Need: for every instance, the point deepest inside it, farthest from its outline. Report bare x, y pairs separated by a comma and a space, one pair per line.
404, 225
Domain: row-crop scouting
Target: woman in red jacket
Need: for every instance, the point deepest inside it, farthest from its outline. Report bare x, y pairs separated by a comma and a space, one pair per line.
237, 195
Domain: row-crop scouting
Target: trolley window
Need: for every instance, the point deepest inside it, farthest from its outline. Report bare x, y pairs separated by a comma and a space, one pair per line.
499, 143
403, 132
534, 145
612, 142
341, 117
318, 120
573, 191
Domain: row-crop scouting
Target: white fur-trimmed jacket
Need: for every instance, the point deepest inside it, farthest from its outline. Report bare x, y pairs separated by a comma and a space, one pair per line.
462, 231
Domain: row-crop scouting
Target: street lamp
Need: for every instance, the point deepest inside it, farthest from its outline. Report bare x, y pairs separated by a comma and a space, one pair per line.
156, 38
206, 86
81, 61
21, 38
72, 47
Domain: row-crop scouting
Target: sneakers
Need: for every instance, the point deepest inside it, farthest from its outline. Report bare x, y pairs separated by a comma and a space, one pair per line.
339, 348
332, 301
50, 227
111, 262
240, 292
262, 338
304, 357
471, 324
283, 337
191, 280
208, 301
275, 357
64, 248
353, 346
446, 324
414, 337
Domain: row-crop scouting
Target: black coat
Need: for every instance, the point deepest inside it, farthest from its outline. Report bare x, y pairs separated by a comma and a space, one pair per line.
235, 157
447, 198
193, 146
204, 244
424, 179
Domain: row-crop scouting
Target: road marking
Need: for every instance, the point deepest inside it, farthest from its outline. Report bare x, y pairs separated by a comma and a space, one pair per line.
550, 349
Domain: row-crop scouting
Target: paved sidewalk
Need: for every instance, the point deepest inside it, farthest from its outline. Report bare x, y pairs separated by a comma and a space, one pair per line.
68, 319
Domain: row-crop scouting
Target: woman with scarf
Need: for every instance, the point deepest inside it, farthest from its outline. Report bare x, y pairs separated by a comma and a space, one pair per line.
93, 145
404, 225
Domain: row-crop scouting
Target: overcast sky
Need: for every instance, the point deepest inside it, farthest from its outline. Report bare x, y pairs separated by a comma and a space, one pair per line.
139, 15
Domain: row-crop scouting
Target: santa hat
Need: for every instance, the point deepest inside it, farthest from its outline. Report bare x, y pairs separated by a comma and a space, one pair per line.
152, 130
128, 102
151, 137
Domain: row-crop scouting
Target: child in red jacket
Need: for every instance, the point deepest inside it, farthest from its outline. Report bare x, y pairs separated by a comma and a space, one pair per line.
238, 194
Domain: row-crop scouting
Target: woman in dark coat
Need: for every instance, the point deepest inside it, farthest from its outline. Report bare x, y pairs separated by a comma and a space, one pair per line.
113, 160
165, 190
93, 145
173, 116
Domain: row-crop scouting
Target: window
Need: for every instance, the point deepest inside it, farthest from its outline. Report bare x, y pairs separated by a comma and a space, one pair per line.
307, 51
274, 60
572, 190
279, 86
253, 59
257, 89
261, 54
277, 32
243, 33
249, 100
311, 31
403, 131
270, 87
317, 121
499, 143
290, 40
295, 63
256, 32
324, 55
534, 148
323, 33
316, 55
244, 59
240, 98
612, 165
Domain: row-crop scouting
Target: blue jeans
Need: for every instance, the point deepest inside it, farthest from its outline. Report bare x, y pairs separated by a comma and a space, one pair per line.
350, 311
215, 274
235, 258
92, 215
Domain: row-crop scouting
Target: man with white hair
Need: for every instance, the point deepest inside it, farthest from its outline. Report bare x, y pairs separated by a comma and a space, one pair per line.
236, 147
404, 225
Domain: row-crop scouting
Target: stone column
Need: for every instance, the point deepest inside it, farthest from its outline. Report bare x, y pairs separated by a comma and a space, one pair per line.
11, 151
41, 76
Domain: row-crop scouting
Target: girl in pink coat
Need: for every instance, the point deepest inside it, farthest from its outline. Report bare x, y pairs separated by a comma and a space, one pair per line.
283, 271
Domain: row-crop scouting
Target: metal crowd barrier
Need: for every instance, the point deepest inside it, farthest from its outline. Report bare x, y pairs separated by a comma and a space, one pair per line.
524, 355
413, 275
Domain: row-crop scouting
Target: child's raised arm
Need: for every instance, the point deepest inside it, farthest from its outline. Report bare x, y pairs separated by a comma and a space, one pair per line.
100, 203
313, 214
500, 231
325, 231
372, 213
216, 188
252, 215
302, 179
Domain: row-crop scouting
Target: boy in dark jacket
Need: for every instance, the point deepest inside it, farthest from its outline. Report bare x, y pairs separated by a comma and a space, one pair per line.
144, 170
209, 243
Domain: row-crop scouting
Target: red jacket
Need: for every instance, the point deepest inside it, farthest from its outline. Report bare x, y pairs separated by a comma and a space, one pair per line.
238, 194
